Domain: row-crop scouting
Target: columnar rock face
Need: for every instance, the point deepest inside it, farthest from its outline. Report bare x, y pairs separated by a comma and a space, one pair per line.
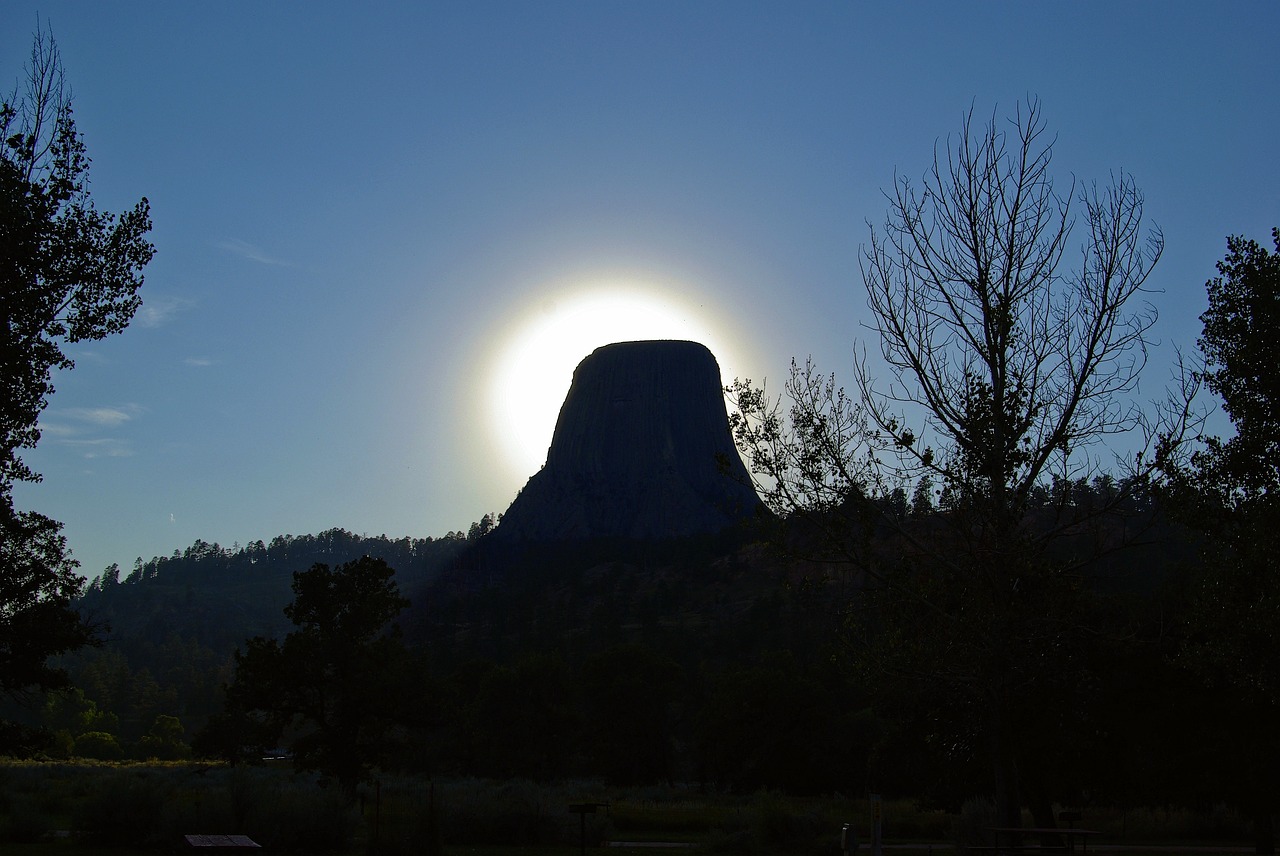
637, 452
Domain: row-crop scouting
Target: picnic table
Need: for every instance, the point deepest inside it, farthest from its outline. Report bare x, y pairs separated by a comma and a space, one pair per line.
221, 842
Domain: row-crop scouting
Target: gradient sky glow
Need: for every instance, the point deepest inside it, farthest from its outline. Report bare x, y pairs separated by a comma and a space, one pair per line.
363, 211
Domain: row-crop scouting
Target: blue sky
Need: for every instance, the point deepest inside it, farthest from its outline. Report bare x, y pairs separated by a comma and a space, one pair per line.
360, 208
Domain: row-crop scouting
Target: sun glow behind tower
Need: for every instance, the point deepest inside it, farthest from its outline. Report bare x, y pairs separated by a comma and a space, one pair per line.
532, 369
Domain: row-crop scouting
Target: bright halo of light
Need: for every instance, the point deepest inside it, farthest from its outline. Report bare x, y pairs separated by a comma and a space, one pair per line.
534, 367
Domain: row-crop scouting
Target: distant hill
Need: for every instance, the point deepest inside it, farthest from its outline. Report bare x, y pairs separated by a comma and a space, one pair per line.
219, 596
172, 623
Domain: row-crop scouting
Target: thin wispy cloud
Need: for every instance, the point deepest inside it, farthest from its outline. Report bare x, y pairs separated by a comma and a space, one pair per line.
56, 429
88, 431
251, 252
160, 310
105, 417
199, 362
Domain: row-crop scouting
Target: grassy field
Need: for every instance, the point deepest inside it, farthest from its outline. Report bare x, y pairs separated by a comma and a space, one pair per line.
93, 809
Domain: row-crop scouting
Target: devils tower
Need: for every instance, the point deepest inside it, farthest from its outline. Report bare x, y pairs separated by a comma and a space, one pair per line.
640, 451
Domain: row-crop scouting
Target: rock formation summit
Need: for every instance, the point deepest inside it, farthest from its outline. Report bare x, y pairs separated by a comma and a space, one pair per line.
638, 452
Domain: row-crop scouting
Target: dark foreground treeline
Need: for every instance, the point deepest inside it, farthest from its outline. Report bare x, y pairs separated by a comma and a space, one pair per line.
718, 661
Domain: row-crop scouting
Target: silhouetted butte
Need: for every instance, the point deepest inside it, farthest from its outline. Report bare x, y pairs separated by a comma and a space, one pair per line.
639, 451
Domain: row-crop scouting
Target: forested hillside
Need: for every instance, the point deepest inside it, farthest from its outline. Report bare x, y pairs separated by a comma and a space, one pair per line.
169, 627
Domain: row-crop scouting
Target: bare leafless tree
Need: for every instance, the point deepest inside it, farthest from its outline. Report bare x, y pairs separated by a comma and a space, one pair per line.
1013, 321
38, 111
1013, 327
1014, 364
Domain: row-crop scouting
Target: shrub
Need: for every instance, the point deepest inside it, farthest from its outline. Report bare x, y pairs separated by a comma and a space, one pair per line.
98, 745
151, 747
164, 741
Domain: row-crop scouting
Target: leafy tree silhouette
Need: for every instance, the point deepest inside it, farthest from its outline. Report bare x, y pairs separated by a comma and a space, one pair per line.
1230, 492
68, 273
335, 687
